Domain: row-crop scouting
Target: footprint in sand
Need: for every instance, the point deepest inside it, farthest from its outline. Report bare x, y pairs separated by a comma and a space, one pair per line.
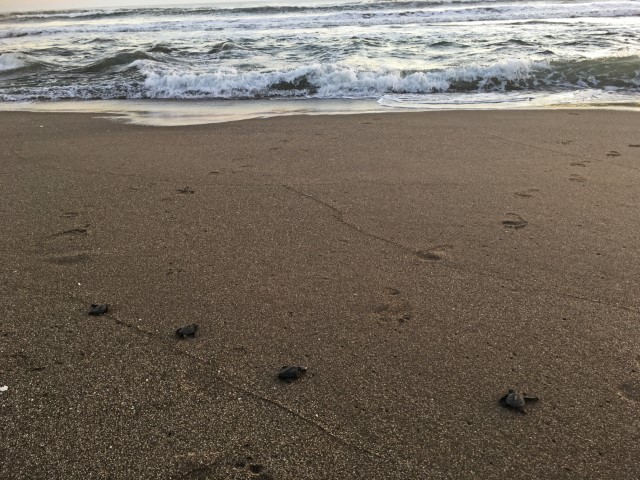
434, 254
206, 464
514, 220
634, 145
630, 391
526, 193
196, 465
613, 153
26, 362
394, 308
577, 178
246, 464
578, 164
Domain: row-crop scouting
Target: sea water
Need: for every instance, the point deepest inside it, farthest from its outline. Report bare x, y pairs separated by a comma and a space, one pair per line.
222, 61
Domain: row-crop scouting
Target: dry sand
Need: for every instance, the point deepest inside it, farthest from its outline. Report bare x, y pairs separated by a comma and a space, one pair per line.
370, 248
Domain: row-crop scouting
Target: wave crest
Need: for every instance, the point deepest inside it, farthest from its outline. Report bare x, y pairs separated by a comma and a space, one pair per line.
114, 62
11, 61
332, 81
142, 76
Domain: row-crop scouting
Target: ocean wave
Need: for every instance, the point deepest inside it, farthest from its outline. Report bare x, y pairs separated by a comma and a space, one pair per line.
604, 72
147, 77
115, 61
227, 10
16, 33
224, 47
405, 5
331, 81
11, 61
383, 15
160, 48
66, 14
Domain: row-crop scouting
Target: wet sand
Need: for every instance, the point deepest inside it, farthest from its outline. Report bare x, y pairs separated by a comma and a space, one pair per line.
418, 264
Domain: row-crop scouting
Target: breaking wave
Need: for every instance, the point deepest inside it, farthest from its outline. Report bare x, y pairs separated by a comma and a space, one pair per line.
360, 49
151, 79
11, 61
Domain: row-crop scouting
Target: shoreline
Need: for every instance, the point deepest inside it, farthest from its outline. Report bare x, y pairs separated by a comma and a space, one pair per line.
418, 264
174, 112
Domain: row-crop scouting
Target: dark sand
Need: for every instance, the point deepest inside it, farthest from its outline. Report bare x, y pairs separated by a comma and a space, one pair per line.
369, 248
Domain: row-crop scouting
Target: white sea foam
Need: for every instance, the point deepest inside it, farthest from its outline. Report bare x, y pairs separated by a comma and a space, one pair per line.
325, 80
10, 61
448, 101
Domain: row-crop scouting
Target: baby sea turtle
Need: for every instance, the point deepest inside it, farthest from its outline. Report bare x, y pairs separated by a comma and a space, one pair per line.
516, 400
187, 331
98, 308
289, 373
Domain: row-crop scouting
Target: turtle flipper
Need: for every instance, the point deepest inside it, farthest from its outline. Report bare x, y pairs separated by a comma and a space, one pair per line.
530, 398
503, 400
521, 410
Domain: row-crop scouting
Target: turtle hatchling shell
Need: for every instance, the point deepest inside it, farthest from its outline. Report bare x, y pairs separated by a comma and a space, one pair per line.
187, 331
516, 400
98, 308
289, 373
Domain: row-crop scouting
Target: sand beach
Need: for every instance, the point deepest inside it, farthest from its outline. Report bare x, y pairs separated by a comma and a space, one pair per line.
418, 264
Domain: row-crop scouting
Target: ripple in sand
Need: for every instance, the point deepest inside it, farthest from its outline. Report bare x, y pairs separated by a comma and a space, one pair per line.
72, 232
70, 259
69, 215
526, 193
577, 178
435, 253
514, 220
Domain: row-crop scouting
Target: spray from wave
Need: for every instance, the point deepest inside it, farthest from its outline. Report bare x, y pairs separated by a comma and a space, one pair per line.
11, 61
